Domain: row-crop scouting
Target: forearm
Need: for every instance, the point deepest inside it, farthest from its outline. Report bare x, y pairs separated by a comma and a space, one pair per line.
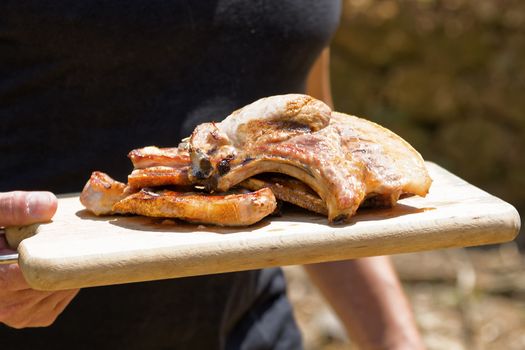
365, 293
368, 298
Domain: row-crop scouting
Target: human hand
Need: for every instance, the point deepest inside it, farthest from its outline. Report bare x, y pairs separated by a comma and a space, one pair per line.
21, 306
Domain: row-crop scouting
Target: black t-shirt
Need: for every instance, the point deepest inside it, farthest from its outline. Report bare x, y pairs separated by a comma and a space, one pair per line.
83, 82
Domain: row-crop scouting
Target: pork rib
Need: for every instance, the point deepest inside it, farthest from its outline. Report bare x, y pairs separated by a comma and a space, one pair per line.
159, 167
340, 163
152, 156
160, 176
101, 192
102, 195
239, 209
344, 159
289, 190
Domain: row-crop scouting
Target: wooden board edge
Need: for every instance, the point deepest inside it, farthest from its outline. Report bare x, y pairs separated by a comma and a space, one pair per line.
501, 227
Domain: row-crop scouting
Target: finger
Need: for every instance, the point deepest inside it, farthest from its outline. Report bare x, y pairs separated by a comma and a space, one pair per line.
24, 208
11, 278
32, 308
17, 308
48, 309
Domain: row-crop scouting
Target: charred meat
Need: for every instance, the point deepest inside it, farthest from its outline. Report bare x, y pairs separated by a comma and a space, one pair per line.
334, 163
344, 159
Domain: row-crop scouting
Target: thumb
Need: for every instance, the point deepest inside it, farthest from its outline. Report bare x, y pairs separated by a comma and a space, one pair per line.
19, 208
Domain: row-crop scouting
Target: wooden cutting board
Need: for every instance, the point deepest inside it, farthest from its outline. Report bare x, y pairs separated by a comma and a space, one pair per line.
79, 249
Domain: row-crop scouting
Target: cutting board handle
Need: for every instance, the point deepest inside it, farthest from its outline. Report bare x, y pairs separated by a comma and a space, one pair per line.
16, 234
13, 236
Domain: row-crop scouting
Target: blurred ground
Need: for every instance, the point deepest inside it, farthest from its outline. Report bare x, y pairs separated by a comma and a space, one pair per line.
464, 299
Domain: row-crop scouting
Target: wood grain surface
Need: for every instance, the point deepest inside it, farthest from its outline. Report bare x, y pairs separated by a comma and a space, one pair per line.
78, 249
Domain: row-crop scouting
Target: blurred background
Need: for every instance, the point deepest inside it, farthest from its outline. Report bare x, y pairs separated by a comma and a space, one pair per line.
449, 77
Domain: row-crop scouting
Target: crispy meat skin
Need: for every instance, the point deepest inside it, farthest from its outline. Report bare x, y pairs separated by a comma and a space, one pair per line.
101, 192
298, 193
289, 190
224, 210
159, 166
340, 163
344, 159
102, 195
159, 176
152, 156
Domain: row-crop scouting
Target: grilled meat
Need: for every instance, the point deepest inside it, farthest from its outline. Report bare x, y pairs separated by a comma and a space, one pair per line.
102, 195
289, 190
293, 191
336, 162
159, 166
101, 192
160, 176
344, 159
225, 210
152, 156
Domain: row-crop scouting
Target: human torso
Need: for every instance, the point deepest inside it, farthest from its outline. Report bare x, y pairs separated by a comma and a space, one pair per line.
83, 82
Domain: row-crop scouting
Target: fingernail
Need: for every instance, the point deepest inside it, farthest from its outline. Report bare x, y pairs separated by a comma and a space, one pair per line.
41, 205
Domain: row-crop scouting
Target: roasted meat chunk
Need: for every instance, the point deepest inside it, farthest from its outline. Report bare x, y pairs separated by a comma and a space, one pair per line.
324, 161
101, 192
289, 190
159, 167
237, 209
344, 159
152, 156
159, 176
103, 195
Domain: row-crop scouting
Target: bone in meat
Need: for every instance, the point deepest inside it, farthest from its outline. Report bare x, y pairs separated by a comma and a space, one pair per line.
224, 210
159, 176
152, 156
296, 192
101, 192
289, 190
155, 166
102, 195
344, 159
